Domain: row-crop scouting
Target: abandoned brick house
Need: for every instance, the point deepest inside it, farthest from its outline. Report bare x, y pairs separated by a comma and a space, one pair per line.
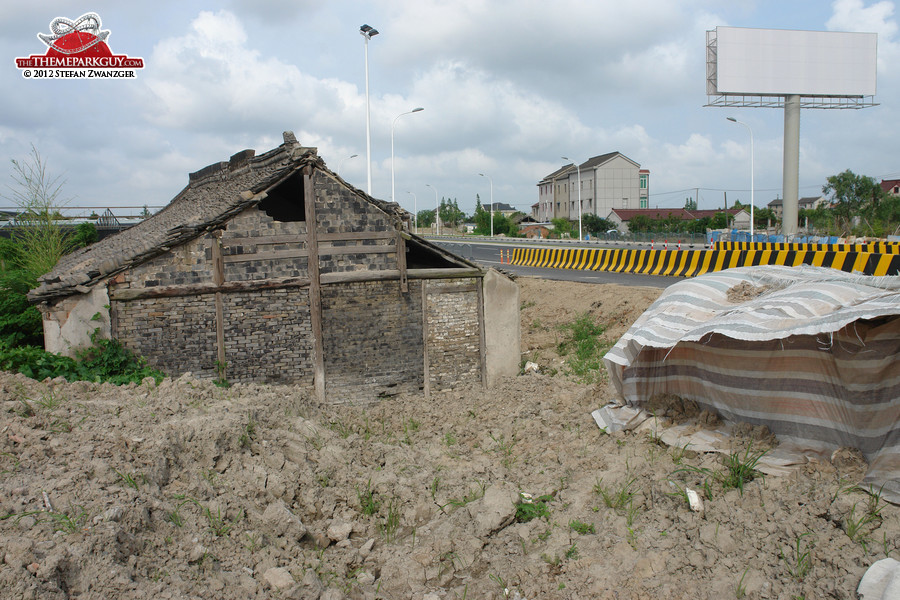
230, 280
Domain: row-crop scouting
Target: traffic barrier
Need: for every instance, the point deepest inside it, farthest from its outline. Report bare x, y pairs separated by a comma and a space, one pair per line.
690, 263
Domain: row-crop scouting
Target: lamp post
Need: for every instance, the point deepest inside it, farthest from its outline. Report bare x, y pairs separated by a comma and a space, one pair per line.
415, 212
409, 112
578, 168
733, 120
492, 201
341, 164
368, 32
437, 210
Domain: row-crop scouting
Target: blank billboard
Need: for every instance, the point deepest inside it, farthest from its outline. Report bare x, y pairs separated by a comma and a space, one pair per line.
783, 62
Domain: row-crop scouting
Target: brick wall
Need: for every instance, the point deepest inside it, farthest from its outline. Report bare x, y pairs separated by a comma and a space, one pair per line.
175, 335
185, 265
373, 340
454, 339
252, 232
268, 336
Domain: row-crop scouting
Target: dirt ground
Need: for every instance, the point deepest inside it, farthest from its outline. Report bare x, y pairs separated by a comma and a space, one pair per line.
188, 490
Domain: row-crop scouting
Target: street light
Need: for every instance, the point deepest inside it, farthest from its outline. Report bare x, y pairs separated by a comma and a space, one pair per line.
415, 110
415, 212
437, 210
578, 168
341, 164
733, 120
492, 201
368, 33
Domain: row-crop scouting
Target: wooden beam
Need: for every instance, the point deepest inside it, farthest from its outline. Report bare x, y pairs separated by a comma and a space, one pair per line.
315, 288
277, 255
227, 287
482, 346
357, 235
264, 240
358, 249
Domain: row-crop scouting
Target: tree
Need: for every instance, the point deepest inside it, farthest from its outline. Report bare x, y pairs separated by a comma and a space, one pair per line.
595, 225
425, 218
852, 195
40, 238
562, 227
690, 204
450, 213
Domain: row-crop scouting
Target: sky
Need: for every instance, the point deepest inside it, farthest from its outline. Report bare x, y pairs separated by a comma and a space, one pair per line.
508, 87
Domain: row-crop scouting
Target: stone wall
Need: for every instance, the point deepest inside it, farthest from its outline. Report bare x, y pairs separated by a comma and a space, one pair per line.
373, 340
268, 336
454, 337
175, 335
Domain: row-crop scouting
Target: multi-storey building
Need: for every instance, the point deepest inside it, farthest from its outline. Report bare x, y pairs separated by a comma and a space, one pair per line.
601, 183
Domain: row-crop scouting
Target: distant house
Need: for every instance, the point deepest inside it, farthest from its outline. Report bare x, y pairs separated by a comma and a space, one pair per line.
808, 203
891, 186
504, 209
535, 230
602, 183
621, 217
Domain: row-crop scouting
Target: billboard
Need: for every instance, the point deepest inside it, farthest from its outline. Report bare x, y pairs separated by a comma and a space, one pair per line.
780, 62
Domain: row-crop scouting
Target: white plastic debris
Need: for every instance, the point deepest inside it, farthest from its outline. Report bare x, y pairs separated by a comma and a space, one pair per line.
694, 500
881, 581
531, 367
612, 417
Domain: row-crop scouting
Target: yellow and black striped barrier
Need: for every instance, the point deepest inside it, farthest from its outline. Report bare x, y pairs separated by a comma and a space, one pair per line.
879, 247
690, 263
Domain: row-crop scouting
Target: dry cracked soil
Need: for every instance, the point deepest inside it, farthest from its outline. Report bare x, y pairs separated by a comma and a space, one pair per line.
189, 490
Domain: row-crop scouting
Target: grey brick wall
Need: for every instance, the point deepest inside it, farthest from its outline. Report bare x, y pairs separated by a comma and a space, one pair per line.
187, 264
268, 336
251, 232
454, 340
175, 335
373, 340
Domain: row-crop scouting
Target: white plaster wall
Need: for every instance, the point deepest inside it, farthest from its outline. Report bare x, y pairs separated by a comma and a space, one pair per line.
68, 325
501, 327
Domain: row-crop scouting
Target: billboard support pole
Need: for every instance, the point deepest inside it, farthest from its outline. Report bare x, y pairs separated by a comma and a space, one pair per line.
791, 166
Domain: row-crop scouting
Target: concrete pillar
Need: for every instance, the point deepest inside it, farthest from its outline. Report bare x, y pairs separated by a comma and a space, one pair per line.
791, 166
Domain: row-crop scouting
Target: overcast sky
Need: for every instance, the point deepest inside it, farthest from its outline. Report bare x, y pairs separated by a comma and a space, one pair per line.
508, 87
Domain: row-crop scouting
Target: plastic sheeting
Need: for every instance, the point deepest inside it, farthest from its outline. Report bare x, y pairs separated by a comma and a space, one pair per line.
810, 352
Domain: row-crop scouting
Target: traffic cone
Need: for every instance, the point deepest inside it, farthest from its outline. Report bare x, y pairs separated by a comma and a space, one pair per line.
679, 244
651, 244
666, 245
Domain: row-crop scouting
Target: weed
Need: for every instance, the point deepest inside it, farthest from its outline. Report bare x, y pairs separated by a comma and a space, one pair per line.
551, 560
222, 377
129, 479
450, 439
341, 428
678, 453
855, 527
218, 522
741, 469
324, 479
249, 433
15, 463
537, 508
210, 476
435, 486
583, 348
800, 561
253, 541
580, 527
572, 552
740, 590
391, 523
498, 580
25, 409
471, 496
49, 401
616, 498
632, 537
505, 448
368, 499
69, 523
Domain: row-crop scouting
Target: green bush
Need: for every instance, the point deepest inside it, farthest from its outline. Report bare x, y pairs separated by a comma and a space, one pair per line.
107, 361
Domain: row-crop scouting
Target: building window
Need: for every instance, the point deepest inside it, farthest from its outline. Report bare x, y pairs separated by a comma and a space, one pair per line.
624, 202
645, 203
644, 182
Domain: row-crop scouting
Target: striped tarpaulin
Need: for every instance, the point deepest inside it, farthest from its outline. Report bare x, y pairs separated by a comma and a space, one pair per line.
815, 357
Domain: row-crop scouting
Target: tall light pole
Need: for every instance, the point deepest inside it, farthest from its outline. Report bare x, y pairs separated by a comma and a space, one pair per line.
492, 201
341, 164
368, 32
415, 212
409, 112
733, 120
437, 210
578, 168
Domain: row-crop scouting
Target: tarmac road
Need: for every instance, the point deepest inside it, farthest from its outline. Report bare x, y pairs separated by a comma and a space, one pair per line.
487, 254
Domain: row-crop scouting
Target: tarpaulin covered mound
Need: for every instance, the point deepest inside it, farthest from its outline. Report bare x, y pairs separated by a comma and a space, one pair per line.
810, 352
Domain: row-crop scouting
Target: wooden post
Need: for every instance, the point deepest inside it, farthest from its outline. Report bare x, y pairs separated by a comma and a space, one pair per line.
219, 279
315, 285
401, 262
481, 342
426, 370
